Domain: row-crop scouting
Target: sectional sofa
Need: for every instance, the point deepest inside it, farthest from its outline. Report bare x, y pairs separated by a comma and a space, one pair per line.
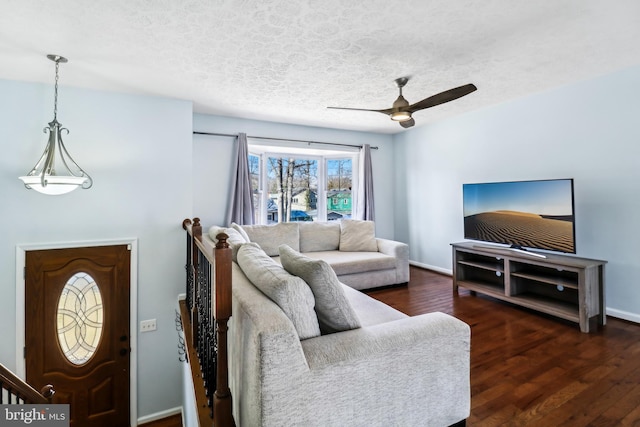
307, 350
360, 259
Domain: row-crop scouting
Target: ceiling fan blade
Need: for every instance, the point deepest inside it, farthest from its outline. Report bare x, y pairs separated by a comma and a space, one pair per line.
442, 97
385, 111
408, 123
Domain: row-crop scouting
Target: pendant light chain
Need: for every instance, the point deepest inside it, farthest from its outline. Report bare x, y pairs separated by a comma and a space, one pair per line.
55, 93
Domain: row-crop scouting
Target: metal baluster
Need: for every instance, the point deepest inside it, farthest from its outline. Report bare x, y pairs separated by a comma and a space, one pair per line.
190, 272
211, 385
202, 318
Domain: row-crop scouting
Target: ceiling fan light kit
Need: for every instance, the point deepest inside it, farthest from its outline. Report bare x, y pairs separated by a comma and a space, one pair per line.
402, 111
401, 116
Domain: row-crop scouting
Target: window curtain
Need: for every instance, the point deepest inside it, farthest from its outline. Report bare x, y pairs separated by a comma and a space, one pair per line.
241, 204
365, 208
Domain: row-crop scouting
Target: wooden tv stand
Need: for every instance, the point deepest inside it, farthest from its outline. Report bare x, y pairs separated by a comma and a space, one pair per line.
564, 286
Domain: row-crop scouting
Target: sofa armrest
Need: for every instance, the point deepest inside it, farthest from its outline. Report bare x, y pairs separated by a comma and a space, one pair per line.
400, 251
419, 362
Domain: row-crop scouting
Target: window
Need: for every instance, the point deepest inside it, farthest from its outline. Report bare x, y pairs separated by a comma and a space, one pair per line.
294, 184
80, 318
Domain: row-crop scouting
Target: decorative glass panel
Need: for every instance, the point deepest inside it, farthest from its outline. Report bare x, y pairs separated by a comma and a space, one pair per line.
80, 318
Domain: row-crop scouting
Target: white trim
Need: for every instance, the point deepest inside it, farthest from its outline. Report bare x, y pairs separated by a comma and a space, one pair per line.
624, 315
432, 268
159, 415
21, 250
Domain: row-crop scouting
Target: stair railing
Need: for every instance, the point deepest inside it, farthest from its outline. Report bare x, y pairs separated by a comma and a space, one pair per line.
205, 313
15, 391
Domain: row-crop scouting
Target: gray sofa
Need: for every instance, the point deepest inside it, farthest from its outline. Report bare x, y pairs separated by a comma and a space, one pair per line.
360, 260
307, 350
290, 364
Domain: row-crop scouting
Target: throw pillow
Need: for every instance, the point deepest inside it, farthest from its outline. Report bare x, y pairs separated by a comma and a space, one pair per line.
240, 230
269, 237
334, 311
358, 236
291, 293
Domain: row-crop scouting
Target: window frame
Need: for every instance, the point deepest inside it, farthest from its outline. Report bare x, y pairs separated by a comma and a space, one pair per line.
265, 151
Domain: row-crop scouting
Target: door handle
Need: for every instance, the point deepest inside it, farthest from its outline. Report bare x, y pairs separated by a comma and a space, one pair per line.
123, 351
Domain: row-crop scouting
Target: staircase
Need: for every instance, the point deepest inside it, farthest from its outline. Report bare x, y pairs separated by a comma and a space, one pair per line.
14, 390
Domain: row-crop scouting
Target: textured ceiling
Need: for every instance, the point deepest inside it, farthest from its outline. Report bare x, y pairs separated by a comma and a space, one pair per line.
287, 61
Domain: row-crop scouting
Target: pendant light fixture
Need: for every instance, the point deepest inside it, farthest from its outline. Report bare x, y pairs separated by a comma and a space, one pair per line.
56, 172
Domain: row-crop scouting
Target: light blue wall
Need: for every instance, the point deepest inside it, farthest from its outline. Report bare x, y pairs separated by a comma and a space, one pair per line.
138, 151
212, 163
587, 131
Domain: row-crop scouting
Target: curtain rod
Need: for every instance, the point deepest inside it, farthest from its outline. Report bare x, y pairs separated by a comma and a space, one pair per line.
282, 139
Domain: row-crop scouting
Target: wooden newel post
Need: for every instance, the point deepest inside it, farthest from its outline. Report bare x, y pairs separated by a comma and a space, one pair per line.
222, 403
196, 227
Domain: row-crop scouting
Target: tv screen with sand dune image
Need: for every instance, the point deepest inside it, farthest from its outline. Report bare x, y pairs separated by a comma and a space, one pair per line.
524, 214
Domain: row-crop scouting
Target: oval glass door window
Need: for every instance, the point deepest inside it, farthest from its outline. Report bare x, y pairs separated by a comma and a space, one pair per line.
80, 318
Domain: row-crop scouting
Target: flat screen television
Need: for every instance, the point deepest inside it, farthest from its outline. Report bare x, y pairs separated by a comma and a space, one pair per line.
524, 214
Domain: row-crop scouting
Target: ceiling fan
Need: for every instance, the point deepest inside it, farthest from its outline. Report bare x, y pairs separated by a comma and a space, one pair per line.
401, 111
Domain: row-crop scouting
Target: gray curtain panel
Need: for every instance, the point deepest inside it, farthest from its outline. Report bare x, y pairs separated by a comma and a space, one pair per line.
241, 203
366, 208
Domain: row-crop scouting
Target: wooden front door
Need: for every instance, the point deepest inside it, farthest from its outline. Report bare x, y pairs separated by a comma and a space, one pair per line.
77, 330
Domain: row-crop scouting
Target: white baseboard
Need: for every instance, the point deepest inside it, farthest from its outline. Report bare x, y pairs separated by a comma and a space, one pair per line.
624, 315
431, 267
159, 415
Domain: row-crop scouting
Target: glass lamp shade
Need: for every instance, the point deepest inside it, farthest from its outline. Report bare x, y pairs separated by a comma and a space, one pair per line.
54, 185
401, 116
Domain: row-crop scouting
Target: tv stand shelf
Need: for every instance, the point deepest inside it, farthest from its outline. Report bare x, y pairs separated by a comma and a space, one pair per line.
564, 286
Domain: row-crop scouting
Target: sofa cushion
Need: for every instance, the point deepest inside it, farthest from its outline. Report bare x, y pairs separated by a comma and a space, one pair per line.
355, 262
371, 311
319, 236
332, 307
269, 237
235, 239
357, 235
291, 293
240, 230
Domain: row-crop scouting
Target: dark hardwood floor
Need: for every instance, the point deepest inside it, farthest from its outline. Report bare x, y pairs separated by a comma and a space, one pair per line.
529, 369
172, 421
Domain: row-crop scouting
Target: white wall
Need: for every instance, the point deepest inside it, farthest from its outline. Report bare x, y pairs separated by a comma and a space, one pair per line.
587, 131
212, 163
138, 151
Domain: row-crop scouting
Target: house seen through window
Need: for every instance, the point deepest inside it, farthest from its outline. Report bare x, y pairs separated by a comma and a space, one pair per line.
301, 185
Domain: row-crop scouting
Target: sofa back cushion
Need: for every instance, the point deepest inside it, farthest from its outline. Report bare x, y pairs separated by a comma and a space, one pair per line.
235, 239
319, 236
269, 237
358, 236
332, 307
291, 293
